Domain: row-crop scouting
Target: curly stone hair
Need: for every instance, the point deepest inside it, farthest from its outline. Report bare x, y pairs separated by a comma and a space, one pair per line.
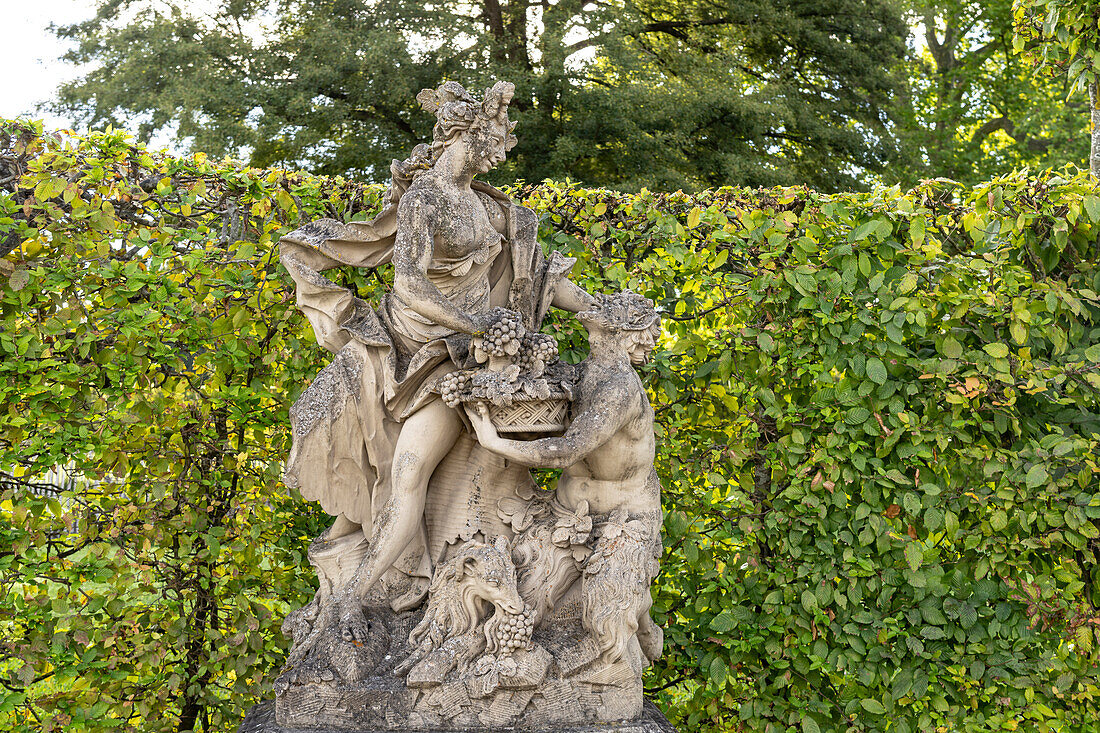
625, 311
457, 111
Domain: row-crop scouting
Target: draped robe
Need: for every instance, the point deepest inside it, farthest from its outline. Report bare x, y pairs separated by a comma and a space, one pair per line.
346, 423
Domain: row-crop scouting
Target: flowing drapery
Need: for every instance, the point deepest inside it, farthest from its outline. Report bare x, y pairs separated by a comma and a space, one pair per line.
346, 423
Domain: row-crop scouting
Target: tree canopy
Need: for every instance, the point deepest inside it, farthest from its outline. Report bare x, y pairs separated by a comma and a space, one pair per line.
624, 93
1065, 34
978, 107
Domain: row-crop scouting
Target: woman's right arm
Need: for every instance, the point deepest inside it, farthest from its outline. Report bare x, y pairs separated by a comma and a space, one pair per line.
412, 255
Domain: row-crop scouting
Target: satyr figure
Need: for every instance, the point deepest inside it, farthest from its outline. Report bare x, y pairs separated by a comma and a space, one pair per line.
608, 481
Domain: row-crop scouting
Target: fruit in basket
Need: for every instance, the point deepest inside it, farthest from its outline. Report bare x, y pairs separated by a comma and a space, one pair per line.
503, 336
537, 351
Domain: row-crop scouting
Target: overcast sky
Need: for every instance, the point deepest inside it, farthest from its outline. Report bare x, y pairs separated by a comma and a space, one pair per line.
33, 52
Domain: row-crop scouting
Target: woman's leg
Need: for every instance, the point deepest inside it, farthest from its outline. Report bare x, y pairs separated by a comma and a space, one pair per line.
342, 527
426, 437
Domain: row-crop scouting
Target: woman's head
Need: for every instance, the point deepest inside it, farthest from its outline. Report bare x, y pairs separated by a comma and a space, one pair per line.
482, 125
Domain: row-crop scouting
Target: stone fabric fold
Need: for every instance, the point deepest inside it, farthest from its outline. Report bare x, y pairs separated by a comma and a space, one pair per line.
346, 422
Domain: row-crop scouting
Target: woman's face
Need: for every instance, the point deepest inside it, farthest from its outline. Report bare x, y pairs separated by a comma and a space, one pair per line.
486, 145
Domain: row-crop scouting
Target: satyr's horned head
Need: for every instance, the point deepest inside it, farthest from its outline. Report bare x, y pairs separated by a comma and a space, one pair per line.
629, 316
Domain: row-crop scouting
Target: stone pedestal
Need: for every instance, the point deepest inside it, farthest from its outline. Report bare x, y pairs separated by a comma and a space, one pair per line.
261, 719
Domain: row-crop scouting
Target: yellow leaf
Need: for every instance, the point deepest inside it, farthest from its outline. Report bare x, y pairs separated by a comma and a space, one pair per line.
693, 217
284, 200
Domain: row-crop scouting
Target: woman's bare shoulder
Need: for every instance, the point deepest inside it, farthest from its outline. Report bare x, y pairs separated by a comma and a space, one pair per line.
424, 195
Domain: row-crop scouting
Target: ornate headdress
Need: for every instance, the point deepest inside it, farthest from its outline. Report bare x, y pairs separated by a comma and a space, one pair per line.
625, 311
455, 111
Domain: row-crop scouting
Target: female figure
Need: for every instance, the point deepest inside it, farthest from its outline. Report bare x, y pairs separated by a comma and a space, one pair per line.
369, 431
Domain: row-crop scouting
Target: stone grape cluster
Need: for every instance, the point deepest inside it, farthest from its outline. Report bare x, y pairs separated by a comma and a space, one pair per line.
537, 347
514, 631
451, 387
506, 328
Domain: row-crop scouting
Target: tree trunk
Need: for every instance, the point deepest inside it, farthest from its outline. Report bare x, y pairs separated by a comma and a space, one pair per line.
1094, 130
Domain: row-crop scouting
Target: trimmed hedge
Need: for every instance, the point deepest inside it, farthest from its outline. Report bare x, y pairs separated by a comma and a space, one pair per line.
878, 419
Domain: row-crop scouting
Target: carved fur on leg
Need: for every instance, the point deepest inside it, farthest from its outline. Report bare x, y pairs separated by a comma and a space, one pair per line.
546, 571
615, 588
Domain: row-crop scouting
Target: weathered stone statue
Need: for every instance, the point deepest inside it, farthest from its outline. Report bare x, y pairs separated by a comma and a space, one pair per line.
455, 594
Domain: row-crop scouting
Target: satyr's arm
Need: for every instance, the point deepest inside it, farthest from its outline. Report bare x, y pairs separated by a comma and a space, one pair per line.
589, 430
412, 254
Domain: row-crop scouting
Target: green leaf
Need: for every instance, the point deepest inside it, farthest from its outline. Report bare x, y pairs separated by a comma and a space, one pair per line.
693, 217
872, 706
876, 370
997, 351
1092, 206
902, 683
914, 555
809, 601
718, 671
863, 230
18, 280
998, 520
1018, 330
951, 348
857, 416
908, 283
968, 616
765, 341
723, 623
1036, 476
809, 725
931, 614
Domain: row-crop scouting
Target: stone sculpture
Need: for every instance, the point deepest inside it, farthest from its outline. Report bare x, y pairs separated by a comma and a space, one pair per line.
455, 594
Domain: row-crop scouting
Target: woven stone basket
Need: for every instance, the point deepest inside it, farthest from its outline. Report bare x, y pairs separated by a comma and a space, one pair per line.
531, 416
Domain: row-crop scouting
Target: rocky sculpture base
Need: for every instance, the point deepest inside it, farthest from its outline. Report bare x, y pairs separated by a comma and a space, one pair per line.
261, 719
555, 684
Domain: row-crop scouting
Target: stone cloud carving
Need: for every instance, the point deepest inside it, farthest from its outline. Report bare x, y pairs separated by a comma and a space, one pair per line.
455, 593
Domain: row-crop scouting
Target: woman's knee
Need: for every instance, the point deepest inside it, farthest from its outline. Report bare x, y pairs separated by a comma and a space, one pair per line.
410, 473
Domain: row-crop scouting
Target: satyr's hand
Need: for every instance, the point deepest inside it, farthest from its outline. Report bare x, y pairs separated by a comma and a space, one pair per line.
483, 426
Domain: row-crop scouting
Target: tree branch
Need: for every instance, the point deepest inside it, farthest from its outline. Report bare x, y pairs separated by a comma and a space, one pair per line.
990, 127
673, 28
